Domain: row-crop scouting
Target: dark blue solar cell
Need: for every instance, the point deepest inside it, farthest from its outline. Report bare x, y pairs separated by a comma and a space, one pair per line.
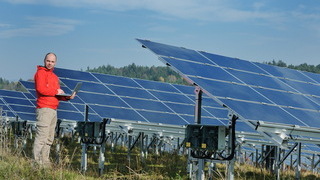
214, 112
156, 85
72, 74
66, 106
81, 107
77, 99
233, 63
252, 111
305, 88
87, 86
11, 100
26, 109
9, 114
29, 96
172, 51
289, 99
284, 72
34, 102
171, 97
163, 118
315, 77
201, 70
308, 117
4, 107
117, 113
261, 80
131, 92
181, 108
188, 118
230, 90
91, 98
27, 116
117, 80
147, 105
33, 93
27, 84
68, 115
1, 100
184, 89
11, 93
242, 126
206, 101
94, 118
212, 121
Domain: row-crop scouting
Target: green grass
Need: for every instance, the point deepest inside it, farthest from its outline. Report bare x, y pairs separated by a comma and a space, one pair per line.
17, 164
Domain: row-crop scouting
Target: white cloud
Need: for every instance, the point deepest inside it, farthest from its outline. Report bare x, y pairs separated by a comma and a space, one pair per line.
201, 10
4, 26
40, 26
206, 10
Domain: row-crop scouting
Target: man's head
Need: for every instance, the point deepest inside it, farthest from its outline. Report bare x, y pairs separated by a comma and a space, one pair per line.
50, 60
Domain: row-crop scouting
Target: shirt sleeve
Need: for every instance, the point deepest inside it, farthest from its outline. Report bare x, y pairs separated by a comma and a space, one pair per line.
42, 86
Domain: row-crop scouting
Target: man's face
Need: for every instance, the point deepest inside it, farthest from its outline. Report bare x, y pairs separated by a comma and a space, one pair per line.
50, 61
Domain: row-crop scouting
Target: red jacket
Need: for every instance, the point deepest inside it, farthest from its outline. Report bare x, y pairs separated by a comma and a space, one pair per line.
47, 85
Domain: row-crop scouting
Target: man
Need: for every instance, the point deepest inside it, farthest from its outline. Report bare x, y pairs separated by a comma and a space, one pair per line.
47, 87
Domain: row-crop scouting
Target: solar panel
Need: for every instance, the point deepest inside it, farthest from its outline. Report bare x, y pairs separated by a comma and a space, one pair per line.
142, 100
254, 91
17, 104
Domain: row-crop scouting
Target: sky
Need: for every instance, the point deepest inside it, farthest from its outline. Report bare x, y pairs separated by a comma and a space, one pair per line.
92, 33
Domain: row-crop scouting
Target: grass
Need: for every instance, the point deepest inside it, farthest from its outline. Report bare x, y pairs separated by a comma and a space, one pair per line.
17, 164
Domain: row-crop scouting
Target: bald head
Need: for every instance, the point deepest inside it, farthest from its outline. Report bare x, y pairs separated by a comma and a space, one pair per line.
50, 60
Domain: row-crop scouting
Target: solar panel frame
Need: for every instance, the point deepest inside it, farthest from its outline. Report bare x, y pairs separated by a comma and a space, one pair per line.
223, 72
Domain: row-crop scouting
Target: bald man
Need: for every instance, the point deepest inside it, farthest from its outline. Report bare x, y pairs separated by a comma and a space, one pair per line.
47, 86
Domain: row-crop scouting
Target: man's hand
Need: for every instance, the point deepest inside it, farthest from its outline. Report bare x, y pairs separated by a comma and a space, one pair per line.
60, 91
72, 96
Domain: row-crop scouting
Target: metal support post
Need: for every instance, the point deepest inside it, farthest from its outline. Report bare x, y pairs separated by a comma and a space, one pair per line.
102, 158
257, 158
197, 120
113, 142
129, 147
277, 165
313, 163
58, 152
298, 166
84, 159
145, 146
198, 94
231, 163
142, 147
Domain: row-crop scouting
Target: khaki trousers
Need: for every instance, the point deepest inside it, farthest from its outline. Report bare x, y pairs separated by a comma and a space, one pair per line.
45, 131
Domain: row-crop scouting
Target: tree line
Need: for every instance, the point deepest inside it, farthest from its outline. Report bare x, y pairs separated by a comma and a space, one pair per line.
157, 73
301, 67
154, 73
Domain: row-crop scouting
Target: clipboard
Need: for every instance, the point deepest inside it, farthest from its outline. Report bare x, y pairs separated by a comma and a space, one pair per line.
75, 90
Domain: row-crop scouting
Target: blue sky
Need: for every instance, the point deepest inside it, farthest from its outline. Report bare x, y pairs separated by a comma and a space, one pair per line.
90, 33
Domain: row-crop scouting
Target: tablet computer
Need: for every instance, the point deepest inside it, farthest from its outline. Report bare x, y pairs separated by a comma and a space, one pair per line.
75, 90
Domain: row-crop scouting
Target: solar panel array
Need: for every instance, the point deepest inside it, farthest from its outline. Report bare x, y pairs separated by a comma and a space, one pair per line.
254, 91
144, 103
140, 100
